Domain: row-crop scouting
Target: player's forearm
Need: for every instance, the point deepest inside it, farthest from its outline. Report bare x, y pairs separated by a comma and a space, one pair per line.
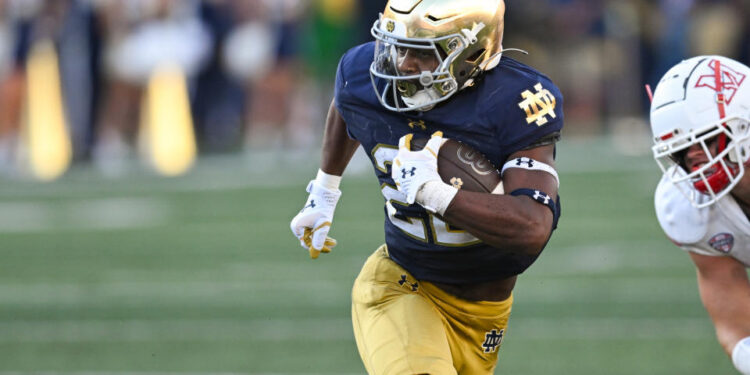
725, 292
508, 223
731, 318
730, 333
338, 148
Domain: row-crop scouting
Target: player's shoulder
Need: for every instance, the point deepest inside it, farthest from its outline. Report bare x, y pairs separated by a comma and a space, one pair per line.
522, 104
357, 60
353, 85
680, 220
515, 77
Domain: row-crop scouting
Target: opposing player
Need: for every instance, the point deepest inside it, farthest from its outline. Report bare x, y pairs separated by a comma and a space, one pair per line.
700, 117
436, 299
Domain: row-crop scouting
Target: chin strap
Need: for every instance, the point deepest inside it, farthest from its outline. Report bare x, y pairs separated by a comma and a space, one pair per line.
717, 180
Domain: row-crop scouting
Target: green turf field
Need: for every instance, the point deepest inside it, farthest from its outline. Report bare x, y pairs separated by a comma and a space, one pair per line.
201, 274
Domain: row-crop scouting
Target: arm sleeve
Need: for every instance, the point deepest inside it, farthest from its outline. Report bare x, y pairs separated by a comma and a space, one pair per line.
534, 116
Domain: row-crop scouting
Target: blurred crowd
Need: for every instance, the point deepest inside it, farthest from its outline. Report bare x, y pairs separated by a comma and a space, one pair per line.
260, 72
602, 52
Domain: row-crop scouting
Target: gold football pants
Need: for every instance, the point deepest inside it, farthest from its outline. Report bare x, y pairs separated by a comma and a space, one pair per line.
404, 326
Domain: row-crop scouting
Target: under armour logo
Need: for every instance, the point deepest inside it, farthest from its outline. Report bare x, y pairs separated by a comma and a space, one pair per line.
492, 340
311, 205
529, 162
403, 282
411, 172
540, 197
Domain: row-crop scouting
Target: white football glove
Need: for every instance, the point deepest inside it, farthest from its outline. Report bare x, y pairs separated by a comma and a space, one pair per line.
412, 169
312, 223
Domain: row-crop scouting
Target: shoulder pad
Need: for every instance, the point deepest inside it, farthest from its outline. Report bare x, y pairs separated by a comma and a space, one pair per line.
681, 222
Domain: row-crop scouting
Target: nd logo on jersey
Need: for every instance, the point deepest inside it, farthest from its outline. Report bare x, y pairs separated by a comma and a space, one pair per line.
538, 105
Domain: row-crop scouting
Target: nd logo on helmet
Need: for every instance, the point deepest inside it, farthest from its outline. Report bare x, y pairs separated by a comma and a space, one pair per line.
390, 26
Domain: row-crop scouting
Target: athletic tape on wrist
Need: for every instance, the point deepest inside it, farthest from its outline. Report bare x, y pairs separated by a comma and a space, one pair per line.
532, 165
329, 181
436, 196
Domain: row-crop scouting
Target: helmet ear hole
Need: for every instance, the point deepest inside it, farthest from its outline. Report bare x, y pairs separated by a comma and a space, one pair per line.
475, 56
733, 157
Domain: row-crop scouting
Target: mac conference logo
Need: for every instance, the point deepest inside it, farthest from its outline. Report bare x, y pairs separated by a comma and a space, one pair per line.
723, 242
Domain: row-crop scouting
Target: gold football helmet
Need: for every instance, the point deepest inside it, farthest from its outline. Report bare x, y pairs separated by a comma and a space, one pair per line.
459, 39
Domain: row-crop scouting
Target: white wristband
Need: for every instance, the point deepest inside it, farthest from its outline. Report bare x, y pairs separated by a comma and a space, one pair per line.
436, 196
328, 180
741, 356
532, 165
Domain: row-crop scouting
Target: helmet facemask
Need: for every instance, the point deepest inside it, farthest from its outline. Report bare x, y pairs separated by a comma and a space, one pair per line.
417, 92
724, 167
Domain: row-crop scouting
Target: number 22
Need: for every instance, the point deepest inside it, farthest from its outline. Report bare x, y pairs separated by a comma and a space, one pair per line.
414, 227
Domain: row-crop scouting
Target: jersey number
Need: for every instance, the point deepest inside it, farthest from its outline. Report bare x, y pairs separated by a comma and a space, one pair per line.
415, 227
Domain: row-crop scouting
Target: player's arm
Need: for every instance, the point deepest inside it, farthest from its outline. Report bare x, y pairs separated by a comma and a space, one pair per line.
338, 148
312, 223
725, 292
512, 223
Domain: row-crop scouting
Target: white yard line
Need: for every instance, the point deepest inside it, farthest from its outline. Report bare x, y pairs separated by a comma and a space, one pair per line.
89, 214
163, 330
533, 290
168, 290
332, 330
611, 329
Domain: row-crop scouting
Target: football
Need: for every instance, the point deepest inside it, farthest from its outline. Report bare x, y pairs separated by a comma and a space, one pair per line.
464, 167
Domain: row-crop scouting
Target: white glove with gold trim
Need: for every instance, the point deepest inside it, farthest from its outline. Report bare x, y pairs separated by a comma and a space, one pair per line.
416, 174
312, 223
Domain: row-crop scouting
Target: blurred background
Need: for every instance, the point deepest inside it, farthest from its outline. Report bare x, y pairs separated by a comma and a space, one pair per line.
152, 153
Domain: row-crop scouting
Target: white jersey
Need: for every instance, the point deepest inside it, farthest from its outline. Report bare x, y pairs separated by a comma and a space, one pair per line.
721, 229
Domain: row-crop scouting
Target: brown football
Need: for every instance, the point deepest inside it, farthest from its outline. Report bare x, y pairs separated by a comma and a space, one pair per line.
464, 167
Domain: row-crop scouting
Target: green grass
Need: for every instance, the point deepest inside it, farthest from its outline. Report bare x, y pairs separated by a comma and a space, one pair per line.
201, 274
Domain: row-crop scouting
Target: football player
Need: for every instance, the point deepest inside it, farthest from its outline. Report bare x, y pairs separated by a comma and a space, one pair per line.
700, 118
436, 299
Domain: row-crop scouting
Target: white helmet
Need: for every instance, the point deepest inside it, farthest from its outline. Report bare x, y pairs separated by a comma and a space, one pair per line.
700, 99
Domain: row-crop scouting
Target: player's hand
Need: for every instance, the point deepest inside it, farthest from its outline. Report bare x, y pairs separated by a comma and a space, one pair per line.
412, 169
312, 223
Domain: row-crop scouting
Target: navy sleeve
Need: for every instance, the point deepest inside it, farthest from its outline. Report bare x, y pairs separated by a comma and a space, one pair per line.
535, 111
341, 91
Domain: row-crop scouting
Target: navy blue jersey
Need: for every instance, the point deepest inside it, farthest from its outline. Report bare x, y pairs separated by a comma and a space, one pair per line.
509, 109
